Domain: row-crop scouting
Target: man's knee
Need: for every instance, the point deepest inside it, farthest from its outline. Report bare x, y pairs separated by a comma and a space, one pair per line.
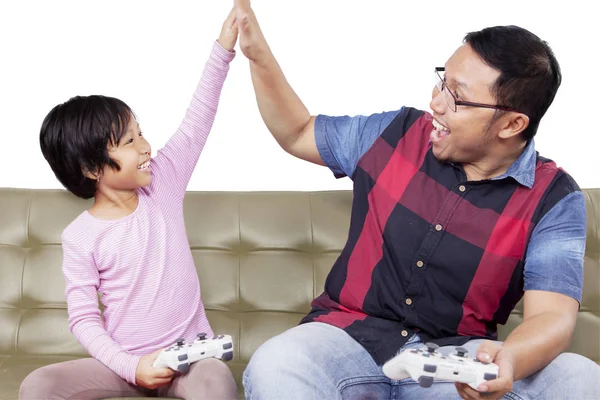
278, 359
571, 366
270, 356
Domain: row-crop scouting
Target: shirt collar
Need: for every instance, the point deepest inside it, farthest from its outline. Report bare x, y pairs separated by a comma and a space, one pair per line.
523, 169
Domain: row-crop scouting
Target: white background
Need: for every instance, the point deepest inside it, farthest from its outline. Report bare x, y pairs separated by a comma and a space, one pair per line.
341, 56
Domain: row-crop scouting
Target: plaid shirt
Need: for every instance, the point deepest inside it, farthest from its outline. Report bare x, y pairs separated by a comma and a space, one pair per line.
428, 251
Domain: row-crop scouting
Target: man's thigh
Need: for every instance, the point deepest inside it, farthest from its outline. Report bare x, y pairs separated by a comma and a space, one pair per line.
314, 361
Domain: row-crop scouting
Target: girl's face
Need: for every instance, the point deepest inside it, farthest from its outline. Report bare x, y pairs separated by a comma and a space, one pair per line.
132, 153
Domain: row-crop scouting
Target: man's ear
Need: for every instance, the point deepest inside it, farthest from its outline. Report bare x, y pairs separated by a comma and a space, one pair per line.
513, 124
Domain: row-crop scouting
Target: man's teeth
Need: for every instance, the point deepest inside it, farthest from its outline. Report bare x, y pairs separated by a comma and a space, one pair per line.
439, 126
144, 165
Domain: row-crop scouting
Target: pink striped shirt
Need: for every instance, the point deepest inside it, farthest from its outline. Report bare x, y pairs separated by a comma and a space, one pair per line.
142, 263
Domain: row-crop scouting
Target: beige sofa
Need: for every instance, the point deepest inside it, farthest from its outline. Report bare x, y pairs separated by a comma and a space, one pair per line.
261, 258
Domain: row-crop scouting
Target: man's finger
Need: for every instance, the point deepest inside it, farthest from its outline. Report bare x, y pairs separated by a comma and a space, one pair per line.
244, 24
466, 391
487, 351
495, 385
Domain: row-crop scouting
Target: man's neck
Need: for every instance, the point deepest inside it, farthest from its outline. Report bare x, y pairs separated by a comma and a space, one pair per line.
494, 164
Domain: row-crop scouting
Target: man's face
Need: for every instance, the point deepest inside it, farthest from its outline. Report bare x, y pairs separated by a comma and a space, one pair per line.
467, 134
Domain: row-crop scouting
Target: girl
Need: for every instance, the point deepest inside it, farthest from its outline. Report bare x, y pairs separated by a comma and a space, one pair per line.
131, 246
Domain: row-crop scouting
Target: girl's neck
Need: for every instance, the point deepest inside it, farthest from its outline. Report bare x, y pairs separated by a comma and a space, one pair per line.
114, 204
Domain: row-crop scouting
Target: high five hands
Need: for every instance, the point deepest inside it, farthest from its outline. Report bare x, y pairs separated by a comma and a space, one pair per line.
252, 42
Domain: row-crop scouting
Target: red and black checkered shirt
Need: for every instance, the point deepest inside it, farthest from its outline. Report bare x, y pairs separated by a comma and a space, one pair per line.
428, 251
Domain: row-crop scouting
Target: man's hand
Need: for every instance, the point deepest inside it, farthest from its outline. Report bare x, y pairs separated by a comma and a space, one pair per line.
252, 42
229, 31
150, 377
488, 352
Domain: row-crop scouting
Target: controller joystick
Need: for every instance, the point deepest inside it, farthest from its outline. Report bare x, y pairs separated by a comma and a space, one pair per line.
431, 347
461, 352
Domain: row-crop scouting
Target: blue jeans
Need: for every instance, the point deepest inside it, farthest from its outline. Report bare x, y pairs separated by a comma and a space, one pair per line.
319, 361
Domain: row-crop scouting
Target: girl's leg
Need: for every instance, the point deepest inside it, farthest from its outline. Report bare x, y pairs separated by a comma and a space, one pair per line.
82, 379
207, 379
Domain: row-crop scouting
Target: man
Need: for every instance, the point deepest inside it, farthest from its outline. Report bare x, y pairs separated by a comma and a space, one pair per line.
455, 218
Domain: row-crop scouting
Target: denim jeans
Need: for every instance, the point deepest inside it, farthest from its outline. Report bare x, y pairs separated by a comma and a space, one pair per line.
319, 361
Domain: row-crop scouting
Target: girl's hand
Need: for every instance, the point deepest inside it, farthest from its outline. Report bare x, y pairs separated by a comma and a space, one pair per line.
229, 32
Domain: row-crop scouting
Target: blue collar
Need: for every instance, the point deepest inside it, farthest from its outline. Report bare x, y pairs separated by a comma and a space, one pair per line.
523, 169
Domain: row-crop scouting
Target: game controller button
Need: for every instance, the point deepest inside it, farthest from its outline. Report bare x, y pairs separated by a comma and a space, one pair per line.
425, 354
430, 368
476, 360
227, 346
414, 351
169, 349
183, 368
461, 351
425, 381
201, 336
431, 347
488, 377
220, 337
227, 356
182, 357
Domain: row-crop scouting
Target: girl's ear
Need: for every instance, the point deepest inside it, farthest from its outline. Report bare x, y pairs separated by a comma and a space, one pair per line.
92, 175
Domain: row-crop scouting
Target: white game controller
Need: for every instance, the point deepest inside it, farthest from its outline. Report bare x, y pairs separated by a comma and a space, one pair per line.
180, 355
427, 365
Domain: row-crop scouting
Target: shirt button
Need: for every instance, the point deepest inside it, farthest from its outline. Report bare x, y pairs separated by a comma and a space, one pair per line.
438, 227
462, 188
408, 302
420, 264
404, 333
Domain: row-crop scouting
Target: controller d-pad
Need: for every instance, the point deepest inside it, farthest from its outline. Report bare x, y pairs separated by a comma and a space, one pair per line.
182, 357
227, 346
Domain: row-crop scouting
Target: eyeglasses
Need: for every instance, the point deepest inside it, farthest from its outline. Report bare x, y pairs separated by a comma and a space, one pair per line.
453, 102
